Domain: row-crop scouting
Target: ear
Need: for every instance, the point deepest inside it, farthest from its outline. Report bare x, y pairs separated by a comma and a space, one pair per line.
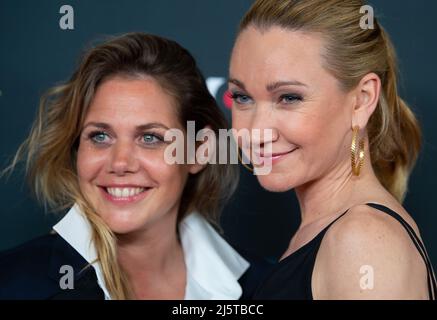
196, 168
204, 149
367, 97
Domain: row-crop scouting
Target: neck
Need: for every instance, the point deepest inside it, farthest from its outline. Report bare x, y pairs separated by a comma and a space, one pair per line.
335, 192
151, 252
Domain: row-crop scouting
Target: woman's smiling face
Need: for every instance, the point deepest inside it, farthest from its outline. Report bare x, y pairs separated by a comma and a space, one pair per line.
120, 162
278, 82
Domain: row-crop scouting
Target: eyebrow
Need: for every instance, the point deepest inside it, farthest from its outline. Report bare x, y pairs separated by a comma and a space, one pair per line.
238, 83
151, 125
275, 85
271, 86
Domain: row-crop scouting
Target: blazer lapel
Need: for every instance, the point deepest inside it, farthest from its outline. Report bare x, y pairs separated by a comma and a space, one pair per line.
85, 285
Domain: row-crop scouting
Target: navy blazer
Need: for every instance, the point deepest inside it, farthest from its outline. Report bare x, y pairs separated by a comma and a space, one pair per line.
32, 271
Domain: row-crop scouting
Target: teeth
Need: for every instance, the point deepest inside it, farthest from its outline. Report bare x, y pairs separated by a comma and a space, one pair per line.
124, 192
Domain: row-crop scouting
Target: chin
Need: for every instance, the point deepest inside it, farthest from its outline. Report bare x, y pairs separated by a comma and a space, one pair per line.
275, 182
121, 223
121, 228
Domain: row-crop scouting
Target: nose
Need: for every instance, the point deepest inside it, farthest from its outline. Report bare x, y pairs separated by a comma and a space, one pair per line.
123, 159
263, 126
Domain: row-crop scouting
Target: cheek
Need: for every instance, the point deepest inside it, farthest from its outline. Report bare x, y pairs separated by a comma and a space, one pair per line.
82, 166
168, 175
303, 129
88, 164
321, 125
321, 139
172, 180
240, 120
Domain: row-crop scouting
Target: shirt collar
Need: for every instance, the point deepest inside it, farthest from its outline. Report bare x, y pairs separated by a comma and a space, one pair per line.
213, 266
75, 229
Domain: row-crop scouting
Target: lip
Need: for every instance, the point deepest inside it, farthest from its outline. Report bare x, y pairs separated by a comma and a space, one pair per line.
124, 185
124, 200
275, 157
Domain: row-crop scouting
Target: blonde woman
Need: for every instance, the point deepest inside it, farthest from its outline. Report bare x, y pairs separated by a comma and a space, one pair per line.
342, 138
137, 225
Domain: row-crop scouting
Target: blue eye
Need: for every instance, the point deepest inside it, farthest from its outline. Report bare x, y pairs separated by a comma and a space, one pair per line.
240, 98
98, 137
290, 98
149, 138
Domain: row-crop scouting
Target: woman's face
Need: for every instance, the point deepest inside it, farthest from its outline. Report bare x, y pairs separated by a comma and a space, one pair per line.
277, 82
120, 161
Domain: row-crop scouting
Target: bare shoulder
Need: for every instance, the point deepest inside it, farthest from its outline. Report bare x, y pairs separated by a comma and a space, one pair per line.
368, 254
365, 224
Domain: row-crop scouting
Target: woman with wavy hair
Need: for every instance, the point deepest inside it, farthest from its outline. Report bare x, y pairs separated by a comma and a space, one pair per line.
136, 226
342, 138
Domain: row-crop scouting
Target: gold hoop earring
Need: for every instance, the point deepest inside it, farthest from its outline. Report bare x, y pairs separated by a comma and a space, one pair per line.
241, 161
357, 154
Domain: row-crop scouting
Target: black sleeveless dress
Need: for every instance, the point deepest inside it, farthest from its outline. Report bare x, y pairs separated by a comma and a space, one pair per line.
290, 279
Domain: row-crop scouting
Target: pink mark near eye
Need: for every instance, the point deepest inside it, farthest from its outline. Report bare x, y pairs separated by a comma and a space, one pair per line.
227, 100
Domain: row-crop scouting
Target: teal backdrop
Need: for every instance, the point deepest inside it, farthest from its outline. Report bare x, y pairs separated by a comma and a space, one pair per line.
36, 54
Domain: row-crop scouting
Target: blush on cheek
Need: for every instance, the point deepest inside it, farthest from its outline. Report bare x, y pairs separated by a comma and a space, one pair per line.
82, 173
90, 163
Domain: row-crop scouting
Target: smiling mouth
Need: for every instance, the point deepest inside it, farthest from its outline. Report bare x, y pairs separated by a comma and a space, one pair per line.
275, 156
125, 193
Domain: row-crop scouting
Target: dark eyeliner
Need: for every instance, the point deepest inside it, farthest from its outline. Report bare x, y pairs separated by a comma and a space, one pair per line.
293, 96
236, 96
159, 137
91, 136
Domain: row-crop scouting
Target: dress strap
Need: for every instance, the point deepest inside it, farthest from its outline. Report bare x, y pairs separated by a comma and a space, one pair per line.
432, 283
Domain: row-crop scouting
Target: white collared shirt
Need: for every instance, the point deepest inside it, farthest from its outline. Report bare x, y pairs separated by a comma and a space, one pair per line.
213, 266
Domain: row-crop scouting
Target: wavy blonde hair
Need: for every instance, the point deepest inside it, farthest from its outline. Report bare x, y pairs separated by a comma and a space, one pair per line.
50, 150
350, 53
